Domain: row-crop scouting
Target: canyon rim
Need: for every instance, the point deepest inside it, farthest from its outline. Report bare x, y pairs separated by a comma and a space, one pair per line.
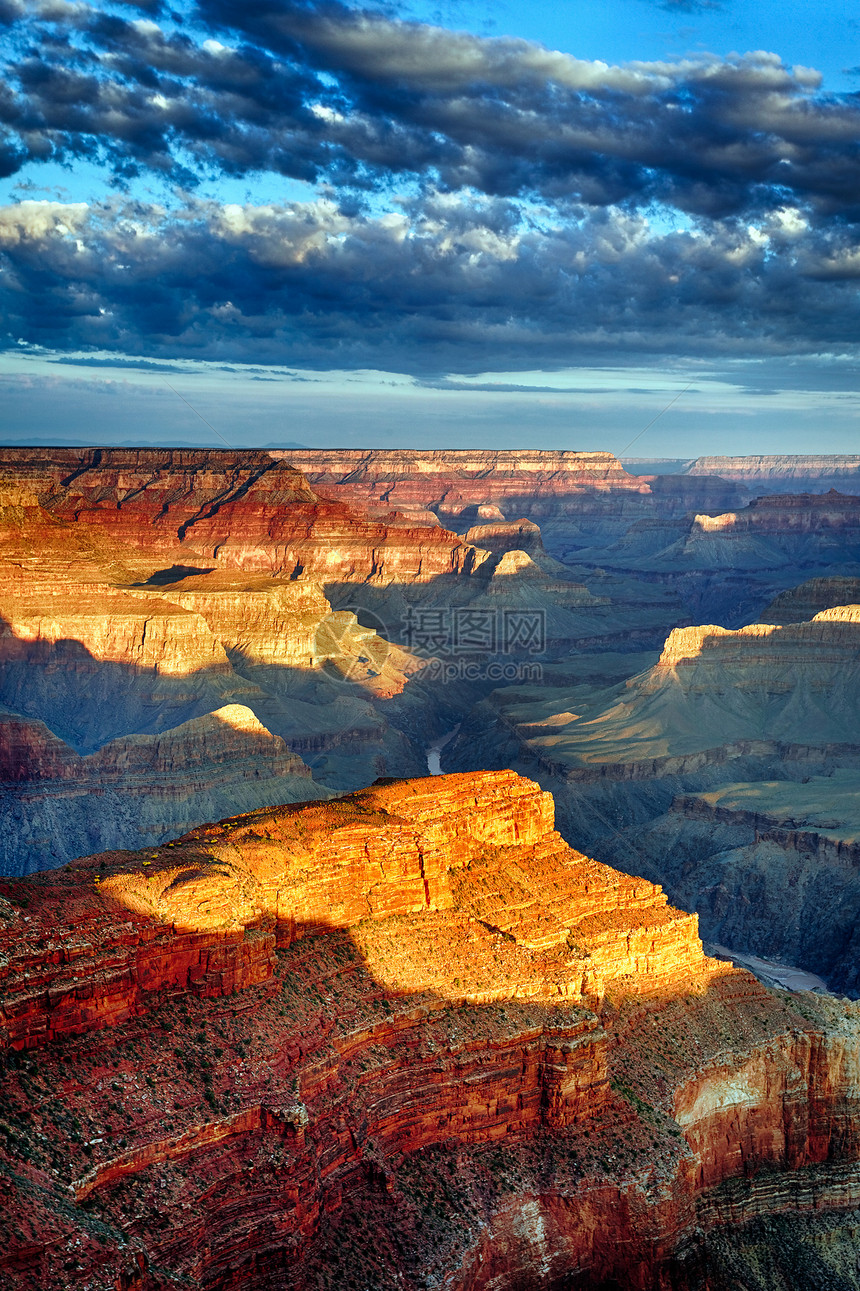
282, 1009
429, 646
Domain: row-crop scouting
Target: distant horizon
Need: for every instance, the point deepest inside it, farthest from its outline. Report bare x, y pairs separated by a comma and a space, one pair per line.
679, 462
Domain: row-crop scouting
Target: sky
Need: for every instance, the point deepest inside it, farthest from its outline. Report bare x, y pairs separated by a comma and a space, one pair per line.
630, 226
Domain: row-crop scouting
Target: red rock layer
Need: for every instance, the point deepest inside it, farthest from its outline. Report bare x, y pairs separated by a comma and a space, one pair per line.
474, 485
390, 851
407, 1091
242, 510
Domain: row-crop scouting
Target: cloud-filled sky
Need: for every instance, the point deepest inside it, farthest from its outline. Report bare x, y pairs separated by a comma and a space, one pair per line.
432, 224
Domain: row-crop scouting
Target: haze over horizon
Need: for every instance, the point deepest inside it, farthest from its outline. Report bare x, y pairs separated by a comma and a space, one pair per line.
431, 225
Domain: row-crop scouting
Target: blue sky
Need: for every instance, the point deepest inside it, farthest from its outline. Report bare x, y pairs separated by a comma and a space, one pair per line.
431, 224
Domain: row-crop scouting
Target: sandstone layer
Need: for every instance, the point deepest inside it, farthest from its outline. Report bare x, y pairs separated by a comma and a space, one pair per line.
808, 473
143, 591
237, 510
576, 497
767, 703
405, 1039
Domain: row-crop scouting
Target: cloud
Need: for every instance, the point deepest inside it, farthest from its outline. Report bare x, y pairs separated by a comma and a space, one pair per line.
324, 91
532, 179
433, 289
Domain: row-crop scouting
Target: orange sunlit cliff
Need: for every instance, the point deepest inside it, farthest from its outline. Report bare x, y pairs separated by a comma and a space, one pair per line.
407, 1038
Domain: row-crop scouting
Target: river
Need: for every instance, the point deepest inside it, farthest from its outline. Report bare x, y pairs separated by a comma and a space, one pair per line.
434, 751
793, 979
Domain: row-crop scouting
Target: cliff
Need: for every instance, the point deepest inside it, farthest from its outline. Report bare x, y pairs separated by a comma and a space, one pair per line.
713, 693
574, 496
136, 789
795, 473
114, 625
237, 510
407, 1039
727, 565
803, 602
793, 845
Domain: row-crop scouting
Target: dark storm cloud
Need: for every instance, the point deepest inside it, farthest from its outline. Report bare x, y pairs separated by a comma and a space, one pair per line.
327, 91
524, 243
433, 289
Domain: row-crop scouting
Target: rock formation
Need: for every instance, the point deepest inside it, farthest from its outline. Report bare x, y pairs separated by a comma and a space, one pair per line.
132, 605
143, 590
135, 789
730, 565
576, 497
803, 602
768, 705
236, 510
799, 473
403, 1039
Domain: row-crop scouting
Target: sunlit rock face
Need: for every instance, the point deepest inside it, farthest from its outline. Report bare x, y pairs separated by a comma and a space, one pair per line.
576, 497
775, 706
143, 593
405, 1039
144, 590
244, 511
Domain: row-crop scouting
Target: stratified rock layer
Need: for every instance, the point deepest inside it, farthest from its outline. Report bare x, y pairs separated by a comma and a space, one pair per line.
571, 494
405, 1039
800, 472
237, 510
770, 702
144, 591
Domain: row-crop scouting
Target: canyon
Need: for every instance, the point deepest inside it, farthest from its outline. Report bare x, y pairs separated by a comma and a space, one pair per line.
798, 473
278, 1008
406, 1038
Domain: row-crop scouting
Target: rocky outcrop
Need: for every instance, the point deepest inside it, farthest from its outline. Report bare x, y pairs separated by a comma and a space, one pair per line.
728, 565
574, 496
483, 846
136, 789
774, 706
799, 472
407, 1038
803, 602
236, 510
713, 693
114, 625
